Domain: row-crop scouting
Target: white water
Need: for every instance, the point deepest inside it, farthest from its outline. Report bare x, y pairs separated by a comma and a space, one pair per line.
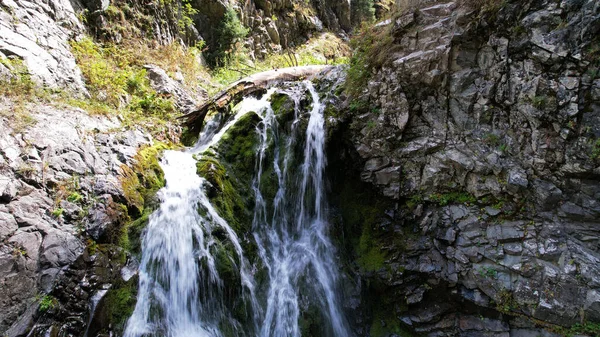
181, 293
293, 238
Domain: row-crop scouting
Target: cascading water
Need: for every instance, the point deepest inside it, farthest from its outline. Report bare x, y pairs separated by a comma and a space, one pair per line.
292, 239
181, 292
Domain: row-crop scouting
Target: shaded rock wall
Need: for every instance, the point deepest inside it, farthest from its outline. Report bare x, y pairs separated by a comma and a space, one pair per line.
483, 128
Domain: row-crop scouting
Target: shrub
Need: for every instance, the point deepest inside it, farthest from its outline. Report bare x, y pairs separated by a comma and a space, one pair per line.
229, 32
362, 11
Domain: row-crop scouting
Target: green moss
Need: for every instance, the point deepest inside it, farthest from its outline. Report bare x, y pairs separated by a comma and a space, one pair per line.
596, 149
118, 304
444, 199
143, 178
361, 211
140, 182
371, 258
238, 147
225, 197
283, 107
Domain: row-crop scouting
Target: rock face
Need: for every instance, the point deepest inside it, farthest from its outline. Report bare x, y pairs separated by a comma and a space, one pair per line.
483, 133
38, 32
57, 178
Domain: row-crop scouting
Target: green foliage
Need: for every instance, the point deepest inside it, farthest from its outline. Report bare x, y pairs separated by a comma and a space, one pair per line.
57, 212
186, 12
372, 47
20, 84
588, 328
117, 81
414, 201
22, 89
505, 301
47, 302
229, 32
444, 199
362, 11
492, 139
488, 272
596, 149
539, 102
74, 197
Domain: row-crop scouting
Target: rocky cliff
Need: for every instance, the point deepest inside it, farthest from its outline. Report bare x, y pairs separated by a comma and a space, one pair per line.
463, 152
479, 125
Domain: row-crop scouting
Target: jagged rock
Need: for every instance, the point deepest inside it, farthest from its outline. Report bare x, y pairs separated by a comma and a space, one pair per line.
42, 204
496, 129
35, 32
96, 5
165, 85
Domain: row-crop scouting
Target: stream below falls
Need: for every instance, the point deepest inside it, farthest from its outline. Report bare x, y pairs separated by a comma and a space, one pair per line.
182, 291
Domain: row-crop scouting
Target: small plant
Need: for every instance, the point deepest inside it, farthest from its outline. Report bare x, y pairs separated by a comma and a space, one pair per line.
492, 139
47, 302
57, 212
92, 246
453, 197
596, 149
358, 105
505, 301
488, 272
539, 102
414, 201
26, 171
19, 251
74, 197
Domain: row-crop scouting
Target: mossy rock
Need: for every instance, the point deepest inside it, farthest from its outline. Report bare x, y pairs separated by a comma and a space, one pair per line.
238, 147
143, 178
284, 108
225, 194
114, 308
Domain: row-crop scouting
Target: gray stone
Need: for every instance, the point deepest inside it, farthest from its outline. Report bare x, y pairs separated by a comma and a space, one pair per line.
517, 178
96, 5
59, 249
41, 40
8, 225
165, 85
547, 194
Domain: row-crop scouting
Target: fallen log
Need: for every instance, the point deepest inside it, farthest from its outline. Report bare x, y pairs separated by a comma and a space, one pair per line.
253, 84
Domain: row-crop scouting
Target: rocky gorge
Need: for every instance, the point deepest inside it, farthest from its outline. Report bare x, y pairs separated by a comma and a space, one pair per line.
462, 149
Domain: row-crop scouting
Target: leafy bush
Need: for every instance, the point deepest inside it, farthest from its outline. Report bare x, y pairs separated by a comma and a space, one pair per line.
229, 32
362, 11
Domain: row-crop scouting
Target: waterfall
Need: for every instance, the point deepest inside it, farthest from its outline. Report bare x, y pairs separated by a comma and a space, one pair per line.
181, 293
